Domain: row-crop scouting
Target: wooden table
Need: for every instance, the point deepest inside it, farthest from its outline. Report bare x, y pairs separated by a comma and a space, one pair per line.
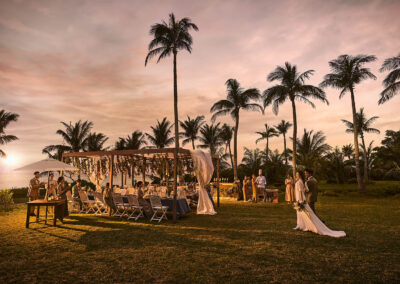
58, 206
273, 194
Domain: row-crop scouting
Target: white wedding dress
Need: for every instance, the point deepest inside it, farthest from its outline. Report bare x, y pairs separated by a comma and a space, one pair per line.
307, 220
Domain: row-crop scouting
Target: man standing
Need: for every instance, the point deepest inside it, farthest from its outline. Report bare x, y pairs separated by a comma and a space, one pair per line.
311, 189
34, 187
261, 182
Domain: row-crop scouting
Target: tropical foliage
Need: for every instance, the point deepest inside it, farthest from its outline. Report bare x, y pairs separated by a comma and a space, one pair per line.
265, 135
191, 128
392, 81
210, 137
5, 119
161, 136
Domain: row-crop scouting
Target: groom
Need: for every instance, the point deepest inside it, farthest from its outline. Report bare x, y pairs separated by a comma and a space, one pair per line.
311, 189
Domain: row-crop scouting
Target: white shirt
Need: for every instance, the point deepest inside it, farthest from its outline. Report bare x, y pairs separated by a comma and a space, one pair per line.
261, 181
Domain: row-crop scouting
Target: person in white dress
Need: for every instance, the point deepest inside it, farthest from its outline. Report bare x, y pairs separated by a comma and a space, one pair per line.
306, 219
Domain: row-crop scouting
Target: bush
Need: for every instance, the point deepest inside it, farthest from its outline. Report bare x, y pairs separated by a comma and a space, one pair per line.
6, 200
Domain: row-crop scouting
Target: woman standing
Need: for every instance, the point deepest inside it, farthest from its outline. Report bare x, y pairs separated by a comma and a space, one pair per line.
246, 183
62, 189
289, 195
253, 186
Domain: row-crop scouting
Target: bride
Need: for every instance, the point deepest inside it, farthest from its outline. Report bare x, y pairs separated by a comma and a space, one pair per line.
306, 218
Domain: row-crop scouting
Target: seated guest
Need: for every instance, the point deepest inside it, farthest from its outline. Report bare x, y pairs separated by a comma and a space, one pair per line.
34, 188
148, 211
62, 188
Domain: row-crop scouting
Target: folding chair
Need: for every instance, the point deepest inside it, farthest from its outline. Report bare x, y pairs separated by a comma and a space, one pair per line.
87, 205
101, 205
120, 206
158, 208
74, 204
137, 210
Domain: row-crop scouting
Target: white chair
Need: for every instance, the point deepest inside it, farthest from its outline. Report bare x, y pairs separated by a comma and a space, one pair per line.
120, 206
87, 205
158, 208
101, 205
137, 210
71, 201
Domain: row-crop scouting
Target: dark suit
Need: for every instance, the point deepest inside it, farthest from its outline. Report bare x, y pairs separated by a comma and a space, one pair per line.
312, 194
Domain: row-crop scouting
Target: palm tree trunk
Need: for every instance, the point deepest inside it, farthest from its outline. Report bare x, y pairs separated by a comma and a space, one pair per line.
294, 137
235, 176
284, 147
267, 150
361, 187
365, 157
230, 153
176, 137
193, 144
133, 175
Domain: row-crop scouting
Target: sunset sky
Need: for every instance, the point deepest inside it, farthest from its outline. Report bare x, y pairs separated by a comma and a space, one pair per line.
71, 60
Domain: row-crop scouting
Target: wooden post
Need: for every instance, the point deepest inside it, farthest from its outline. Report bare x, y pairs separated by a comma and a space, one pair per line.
175, 184
144, 173
111, 171
218, 182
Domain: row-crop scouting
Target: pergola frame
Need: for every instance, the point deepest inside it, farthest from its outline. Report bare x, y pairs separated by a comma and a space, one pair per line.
166, 153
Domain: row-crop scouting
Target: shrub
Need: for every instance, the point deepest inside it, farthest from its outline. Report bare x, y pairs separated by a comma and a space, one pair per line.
6, 200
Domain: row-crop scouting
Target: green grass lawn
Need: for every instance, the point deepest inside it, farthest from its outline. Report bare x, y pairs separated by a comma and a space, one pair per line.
244, 242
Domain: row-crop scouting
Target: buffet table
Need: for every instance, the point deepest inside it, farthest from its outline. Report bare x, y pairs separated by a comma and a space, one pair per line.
58, 206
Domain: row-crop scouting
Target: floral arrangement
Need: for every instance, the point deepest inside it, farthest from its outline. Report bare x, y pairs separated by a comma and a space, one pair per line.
299, 206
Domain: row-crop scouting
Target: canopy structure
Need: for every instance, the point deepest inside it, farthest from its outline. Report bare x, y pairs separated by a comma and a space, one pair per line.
142, 160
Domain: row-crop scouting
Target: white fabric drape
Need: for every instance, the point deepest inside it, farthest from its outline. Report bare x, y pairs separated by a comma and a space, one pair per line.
204, 169
95, 176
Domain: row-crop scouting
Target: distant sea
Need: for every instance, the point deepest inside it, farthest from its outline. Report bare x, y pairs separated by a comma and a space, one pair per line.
13, 180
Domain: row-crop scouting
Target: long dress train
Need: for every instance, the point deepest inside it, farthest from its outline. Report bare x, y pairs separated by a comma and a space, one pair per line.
308, 221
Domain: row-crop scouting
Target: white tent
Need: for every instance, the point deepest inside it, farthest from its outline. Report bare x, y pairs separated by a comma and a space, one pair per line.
47, 165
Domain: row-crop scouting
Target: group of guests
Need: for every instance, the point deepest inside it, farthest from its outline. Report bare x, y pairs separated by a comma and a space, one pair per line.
56, 190
257, 185
304, 182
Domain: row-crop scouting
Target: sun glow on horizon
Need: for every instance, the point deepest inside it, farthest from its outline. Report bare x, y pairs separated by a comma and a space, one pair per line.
10, 161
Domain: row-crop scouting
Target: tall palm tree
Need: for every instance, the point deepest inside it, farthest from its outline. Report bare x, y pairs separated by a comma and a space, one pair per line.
5, 119
75, 137
347, 72
392, 80
170, 38
161, 136
95, 142
348, 151
191, 128
292, 87
226, 135
311, 148
363, 126
237, 98
283, 128
210, 137
268, 133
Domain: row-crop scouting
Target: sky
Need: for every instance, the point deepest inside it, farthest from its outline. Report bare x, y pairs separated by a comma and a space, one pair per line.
71, 60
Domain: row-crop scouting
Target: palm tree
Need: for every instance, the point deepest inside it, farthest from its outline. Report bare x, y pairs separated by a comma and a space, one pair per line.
347, 72
283, 128
135, 141
252, 159
5, 119
363, 126
161, 137
170, 38
268, 133
391, 82
348, 151
237, 98
95, 142
191, 128
311, 148
210, 137
291, 88
75, 138
226, 135
335, 165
